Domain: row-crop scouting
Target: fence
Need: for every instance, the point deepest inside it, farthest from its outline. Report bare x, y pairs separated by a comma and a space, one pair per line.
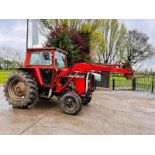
141, 82
144, 82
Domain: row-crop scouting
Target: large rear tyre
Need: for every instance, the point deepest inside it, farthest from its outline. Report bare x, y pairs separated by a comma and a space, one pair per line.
20, 90
71, 103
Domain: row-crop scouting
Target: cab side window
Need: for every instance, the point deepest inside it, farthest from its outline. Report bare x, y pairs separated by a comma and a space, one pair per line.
59, 59
41, 58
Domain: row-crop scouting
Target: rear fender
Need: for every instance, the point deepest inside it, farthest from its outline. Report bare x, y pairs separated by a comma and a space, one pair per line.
34, 73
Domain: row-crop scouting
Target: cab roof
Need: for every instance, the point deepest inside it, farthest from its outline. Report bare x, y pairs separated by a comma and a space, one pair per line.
46, 48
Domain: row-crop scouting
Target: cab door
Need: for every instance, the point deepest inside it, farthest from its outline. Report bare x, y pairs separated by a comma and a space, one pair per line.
46, 74
42, 61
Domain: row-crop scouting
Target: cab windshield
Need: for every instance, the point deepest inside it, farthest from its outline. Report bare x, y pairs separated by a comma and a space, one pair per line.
59, 59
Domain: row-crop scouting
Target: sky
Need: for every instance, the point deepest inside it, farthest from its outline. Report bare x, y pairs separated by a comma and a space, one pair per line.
13, 34
146, 26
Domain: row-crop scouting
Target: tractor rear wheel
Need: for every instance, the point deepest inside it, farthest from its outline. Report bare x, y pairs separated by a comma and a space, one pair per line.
71, 103
20, 90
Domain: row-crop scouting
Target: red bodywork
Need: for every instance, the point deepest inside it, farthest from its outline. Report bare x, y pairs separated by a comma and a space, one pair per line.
80, 75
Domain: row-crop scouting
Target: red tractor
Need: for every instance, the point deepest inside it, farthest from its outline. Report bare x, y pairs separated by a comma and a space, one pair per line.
45, 74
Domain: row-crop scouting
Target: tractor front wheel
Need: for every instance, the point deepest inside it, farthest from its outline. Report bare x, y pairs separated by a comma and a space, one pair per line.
86, 100
71, 103
20, 90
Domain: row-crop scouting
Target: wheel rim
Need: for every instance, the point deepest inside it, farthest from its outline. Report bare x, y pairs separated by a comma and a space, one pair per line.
70, 104
17, 90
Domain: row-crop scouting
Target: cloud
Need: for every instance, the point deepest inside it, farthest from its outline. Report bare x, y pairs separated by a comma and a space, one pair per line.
13, 33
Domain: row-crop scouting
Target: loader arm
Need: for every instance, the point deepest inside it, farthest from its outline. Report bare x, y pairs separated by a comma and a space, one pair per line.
82, 68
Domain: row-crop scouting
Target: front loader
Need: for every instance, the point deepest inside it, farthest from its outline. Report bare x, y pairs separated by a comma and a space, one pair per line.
45, 74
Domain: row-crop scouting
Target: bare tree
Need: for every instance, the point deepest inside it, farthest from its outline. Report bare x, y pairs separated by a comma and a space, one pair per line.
10, 57
1, 62
136, 48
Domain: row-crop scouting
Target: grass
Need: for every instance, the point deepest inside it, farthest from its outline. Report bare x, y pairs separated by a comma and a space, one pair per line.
121, 82
4, 74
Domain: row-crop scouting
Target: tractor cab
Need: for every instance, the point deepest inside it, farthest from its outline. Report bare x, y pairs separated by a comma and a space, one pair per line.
44, 64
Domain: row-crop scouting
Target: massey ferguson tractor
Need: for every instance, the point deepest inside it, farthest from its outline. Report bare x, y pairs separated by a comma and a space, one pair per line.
45, 74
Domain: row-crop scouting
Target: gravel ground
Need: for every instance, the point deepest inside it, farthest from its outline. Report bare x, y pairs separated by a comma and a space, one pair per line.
110, 112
